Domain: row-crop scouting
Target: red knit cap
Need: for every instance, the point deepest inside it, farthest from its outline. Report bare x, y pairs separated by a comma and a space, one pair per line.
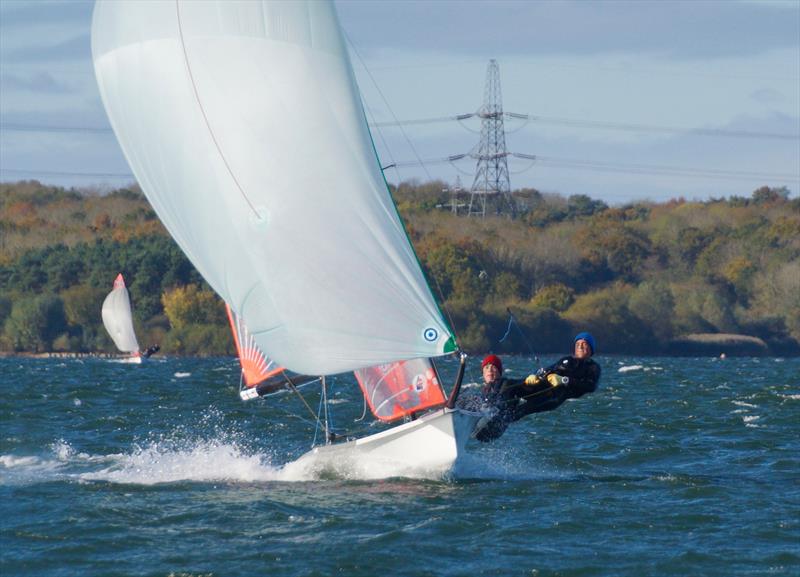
493, 360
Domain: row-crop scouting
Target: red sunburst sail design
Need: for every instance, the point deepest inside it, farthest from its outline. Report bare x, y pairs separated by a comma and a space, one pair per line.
256, 366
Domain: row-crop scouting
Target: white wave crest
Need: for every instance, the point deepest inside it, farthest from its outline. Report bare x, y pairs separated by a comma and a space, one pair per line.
12, 461
27, 469
743, 404
628, 368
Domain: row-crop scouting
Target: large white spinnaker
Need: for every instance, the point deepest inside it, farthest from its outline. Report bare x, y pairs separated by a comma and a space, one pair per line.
117, 317
243, 125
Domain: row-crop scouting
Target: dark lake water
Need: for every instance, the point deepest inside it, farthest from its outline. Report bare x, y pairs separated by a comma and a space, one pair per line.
674, 467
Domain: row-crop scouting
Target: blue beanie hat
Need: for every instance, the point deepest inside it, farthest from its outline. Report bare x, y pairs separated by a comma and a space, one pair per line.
586, 337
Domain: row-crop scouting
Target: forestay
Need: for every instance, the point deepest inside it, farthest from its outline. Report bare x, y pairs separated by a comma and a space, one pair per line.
117, 317
243, 125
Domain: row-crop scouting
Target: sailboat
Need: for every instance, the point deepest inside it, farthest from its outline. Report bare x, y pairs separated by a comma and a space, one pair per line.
244, 126
118, 320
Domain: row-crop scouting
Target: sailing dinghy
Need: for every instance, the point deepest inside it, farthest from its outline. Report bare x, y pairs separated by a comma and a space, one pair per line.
244, 127
118, 320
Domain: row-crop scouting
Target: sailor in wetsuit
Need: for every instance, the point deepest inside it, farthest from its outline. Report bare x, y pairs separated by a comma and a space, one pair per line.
151, 350
570, 377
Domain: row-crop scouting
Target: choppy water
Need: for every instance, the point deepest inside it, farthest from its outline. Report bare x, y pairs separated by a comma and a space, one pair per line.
674, 467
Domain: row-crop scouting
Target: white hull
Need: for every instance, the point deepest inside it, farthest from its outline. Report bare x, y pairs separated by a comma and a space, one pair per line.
132, 360
428, 446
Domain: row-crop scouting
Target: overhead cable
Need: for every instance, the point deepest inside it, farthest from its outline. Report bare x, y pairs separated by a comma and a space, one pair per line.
605, 125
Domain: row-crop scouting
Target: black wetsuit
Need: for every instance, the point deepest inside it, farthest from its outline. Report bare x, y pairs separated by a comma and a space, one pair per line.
583, 375
514, 400
151, 351
501, 395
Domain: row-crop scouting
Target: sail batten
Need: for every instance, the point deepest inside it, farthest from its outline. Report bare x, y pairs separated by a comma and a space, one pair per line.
259, 162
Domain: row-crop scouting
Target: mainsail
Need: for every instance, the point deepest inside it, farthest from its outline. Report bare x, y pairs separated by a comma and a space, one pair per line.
117, 317
243, 124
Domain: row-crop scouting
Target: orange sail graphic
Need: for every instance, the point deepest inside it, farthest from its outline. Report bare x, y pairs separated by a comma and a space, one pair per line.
400, 389
256, 366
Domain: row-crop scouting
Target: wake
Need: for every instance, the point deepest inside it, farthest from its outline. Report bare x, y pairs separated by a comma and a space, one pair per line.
225, 461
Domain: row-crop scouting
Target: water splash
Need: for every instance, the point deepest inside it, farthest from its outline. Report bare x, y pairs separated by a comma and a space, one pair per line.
201, 461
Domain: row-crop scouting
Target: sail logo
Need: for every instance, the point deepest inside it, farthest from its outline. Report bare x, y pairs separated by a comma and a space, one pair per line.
430, 335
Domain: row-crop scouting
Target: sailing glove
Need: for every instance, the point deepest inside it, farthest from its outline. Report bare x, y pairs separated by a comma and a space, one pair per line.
533, 380
557, 380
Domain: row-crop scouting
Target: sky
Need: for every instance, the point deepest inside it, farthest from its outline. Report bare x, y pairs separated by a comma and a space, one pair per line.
626, 101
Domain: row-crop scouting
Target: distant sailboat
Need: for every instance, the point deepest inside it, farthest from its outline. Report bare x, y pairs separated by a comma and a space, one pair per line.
118, 320
244, 126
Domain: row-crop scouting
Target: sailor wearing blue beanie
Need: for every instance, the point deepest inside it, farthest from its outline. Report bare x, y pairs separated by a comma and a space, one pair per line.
589, 341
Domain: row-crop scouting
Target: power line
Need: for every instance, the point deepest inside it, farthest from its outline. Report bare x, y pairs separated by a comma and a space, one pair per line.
551, 120
422, 120
57, 129
600, 166
600, 124
603, 125
653, 169
34, 172
555, 162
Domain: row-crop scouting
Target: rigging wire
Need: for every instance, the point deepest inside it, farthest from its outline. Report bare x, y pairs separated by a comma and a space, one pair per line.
294, 415
293, 388
322, 402
386, 102
512, 323
393, 164
396, 165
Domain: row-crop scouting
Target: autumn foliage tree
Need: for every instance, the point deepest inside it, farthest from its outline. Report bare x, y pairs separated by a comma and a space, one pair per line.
642, 275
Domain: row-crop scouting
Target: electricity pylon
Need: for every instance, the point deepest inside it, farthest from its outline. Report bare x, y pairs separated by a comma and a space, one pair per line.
491, 185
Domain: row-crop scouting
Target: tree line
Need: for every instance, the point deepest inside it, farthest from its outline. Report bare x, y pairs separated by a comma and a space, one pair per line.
646, 278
